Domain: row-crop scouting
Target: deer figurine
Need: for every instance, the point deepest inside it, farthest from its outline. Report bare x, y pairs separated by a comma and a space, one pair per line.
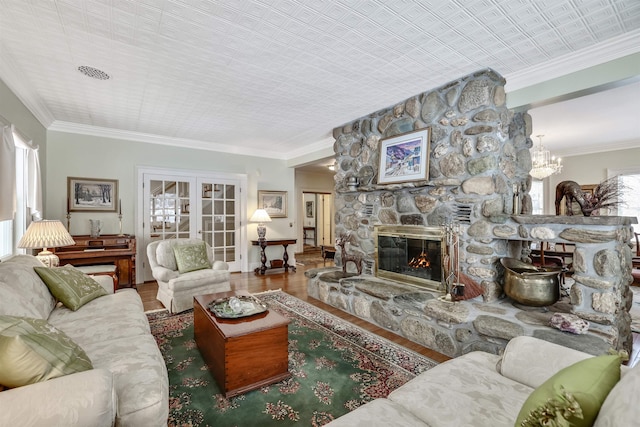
355, 258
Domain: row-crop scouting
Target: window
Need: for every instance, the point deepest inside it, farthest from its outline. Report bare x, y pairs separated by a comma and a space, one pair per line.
537, 197
631, 203
12, 230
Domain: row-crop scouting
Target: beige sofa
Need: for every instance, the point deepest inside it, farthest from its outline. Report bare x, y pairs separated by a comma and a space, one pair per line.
176, 290
128, 385
481, 389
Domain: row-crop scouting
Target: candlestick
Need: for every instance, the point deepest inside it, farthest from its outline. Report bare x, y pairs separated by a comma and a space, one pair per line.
120, 219
120, 204
68, 222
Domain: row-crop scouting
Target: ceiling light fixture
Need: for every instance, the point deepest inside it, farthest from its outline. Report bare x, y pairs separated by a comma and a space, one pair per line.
544, 164
93, 72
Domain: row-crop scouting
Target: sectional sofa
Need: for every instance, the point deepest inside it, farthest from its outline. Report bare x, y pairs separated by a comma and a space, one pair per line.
123, 383
485, 390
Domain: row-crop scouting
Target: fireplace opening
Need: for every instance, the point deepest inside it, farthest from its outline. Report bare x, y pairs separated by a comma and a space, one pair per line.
410, 254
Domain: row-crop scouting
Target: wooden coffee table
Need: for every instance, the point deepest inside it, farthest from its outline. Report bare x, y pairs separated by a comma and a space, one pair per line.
242, 354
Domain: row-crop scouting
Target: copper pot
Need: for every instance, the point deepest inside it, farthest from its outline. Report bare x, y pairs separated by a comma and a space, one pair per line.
531, 285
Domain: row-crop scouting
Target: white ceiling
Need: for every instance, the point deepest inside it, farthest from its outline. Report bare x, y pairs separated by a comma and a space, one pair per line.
274, 77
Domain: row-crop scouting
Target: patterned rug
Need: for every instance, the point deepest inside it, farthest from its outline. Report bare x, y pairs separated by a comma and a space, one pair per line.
311, 258
335, 366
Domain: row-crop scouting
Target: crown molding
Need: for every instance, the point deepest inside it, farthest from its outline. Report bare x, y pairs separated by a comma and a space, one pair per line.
612, 49
603, 148
102, 132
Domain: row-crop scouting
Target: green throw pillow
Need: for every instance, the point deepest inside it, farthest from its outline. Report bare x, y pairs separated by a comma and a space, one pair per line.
191, 257
31, 350
70, 286
573, 396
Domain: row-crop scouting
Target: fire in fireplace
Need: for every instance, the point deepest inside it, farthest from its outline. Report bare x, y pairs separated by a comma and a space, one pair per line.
410, 254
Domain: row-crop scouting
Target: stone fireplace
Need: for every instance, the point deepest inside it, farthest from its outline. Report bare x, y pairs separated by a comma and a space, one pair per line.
479, 163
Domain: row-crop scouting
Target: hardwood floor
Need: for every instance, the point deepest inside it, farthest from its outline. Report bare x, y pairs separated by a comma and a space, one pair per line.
294, 284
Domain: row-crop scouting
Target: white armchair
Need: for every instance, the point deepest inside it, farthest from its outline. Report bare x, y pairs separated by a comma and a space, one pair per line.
176, 290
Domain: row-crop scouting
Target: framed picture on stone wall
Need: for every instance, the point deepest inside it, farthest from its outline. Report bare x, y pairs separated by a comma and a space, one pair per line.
404, 157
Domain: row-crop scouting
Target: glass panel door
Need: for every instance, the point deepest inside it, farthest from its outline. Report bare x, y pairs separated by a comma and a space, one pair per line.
169, 209
219, 220
196, 207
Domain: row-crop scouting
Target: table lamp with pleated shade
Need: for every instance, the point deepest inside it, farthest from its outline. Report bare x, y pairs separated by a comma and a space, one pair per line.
46, 234
261, 216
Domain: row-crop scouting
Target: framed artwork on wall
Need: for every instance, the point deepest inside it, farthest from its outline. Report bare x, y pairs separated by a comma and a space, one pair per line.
404, 157
274, 202
92, 195
309, 209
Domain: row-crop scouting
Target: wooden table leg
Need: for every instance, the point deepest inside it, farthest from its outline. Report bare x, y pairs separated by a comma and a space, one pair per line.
263, 259
285, 258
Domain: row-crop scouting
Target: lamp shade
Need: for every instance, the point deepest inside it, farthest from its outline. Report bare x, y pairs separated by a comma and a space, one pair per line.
261, 216
46, 234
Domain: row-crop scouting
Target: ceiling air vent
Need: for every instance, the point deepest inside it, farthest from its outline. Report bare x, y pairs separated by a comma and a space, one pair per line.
93, 72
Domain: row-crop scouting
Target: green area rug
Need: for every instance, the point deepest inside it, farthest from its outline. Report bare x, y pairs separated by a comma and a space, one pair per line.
335, 366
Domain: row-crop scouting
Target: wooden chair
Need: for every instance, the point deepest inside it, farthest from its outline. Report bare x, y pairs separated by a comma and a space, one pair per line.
635, 262
328, 252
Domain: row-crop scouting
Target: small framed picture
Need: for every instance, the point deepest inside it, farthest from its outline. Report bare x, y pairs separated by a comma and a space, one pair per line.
274, 202
309, 209
92, 195
404, 157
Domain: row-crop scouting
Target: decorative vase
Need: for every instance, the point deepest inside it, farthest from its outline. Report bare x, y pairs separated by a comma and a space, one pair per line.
95, 227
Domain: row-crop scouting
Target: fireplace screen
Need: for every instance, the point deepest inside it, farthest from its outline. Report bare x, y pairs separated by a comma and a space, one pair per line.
410, 254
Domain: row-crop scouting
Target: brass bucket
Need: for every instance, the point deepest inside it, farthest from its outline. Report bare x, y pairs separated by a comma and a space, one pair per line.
531, 285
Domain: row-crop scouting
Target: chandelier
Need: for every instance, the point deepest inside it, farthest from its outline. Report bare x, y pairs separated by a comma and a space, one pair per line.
543, 163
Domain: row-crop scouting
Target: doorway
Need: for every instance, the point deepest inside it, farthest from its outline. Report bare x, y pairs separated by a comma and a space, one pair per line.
197, 205
317, 224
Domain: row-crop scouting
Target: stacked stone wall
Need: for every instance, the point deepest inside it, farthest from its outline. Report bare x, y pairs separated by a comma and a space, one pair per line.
479, 163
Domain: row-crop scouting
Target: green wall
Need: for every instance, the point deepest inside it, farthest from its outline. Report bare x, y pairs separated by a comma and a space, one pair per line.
90, 156
589, 169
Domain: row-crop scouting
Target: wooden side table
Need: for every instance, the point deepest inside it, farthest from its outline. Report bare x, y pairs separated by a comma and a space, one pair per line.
263, 243
242, 354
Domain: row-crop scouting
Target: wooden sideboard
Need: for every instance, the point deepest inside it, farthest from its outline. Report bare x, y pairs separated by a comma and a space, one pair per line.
105, 249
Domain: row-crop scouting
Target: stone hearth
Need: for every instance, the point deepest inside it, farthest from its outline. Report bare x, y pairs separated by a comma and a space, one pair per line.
449, 328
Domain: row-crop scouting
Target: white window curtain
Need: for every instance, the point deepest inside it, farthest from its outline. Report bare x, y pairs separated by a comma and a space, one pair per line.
33, 181
7, 174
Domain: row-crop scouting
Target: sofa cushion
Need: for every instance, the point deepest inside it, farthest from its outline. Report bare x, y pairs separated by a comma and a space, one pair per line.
525, 351
22, 292
465, 391
379, 412
139, 375
191, 257
578, 390
110, 317
198, 278
621, 408
31, 350
70, 286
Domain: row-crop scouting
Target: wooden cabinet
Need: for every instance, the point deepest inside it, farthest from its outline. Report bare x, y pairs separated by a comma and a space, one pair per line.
107, 249
242, 354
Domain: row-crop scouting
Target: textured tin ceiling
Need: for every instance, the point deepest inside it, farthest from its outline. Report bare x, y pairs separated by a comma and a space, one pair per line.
273, 77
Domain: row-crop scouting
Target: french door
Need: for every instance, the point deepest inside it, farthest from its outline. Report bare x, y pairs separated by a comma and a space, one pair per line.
186, 205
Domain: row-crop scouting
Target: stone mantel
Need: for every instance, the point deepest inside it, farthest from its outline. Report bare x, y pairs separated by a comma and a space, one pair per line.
575, 220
